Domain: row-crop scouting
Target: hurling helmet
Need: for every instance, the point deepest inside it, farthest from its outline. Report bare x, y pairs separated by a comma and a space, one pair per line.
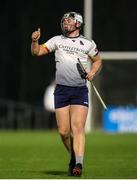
76, 16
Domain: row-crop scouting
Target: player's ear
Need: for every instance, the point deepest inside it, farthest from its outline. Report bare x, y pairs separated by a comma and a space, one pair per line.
78, 24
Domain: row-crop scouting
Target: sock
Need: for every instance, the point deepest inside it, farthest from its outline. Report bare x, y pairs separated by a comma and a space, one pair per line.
79, 159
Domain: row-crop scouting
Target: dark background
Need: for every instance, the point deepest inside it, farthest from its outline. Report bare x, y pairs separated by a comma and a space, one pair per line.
115, 25
24, 78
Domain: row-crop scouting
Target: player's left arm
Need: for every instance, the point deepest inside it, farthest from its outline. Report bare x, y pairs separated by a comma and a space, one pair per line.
96, 66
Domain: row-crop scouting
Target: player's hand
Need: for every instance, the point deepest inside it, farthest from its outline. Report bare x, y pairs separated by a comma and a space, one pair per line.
90, 76
36, 35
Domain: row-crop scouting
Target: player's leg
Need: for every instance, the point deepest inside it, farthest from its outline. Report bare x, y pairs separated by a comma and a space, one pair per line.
62, 109
78, 118
63, 124
62, 114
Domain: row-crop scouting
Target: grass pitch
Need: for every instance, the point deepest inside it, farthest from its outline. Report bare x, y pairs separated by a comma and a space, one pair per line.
41, 155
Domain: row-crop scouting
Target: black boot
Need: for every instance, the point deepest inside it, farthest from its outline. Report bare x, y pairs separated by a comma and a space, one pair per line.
77, 171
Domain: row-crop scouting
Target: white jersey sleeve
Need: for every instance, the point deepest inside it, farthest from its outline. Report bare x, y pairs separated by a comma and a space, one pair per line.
51, 44
93, 49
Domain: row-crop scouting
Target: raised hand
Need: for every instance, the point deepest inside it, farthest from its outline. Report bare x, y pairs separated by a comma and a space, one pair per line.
36, 35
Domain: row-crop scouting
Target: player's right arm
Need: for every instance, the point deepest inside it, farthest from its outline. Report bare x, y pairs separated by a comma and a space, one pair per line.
36, 48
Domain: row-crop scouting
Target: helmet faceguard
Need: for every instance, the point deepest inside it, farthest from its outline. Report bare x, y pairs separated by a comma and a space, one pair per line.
77, 18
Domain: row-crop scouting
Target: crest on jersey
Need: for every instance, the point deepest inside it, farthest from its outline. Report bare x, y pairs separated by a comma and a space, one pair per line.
81, 43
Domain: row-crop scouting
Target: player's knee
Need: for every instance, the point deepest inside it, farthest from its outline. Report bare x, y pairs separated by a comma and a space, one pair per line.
78, 130
65, 134
63, 130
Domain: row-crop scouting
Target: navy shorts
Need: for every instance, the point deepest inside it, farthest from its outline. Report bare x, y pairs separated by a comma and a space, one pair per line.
66, 95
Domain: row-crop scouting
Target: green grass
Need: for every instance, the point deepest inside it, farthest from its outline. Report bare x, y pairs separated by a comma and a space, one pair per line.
41, 155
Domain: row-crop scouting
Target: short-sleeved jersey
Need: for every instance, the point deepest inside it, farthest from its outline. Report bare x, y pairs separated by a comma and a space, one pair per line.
67, 51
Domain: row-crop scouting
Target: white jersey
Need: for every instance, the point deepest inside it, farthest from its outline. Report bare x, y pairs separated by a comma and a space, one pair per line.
67, 51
